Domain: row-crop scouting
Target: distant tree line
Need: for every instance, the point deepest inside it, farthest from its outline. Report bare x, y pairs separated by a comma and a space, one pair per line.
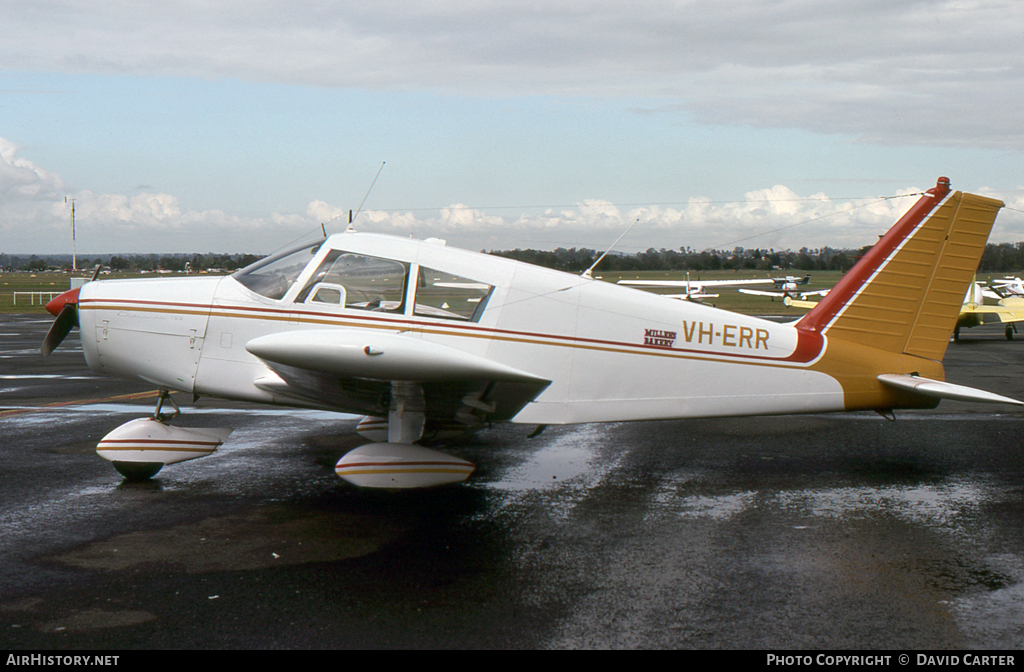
129, 262
997, 258
687, 259
1002, 258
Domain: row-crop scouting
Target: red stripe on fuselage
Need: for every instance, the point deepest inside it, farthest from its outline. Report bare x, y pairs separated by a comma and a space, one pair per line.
809, 344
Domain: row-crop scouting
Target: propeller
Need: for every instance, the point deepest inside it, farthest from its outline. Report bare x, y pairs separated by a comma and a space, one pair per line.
65, 308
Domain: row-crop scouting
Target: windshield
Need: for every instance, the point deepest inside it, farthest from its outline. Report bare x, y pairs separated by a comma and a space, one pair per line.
273, 276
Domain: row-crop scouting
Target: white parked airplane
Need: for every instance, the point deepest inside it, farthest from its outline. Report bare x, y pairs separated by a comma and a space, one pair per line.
1008, 286
785, 294
439, 340
698, 289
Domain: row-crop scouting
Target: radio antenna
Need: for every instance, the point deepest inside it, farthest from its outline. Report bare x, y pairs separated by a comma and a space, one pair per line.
360, 208
586, 273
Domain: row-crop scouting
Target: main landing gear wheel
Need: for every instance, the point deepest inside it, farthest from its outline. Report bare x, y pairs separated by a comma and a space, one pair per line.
1009, 332
397, 463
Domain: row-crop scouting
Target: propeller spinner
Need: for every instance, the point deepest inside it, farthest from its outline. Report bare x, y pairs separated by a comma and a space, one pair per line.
65, 308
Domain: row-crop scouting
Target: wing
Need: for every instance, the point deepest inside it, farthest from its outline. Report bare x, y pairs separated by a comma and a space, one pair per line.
696, 285
355, 370
1009, 310
761, 292
690, 296
1013, 308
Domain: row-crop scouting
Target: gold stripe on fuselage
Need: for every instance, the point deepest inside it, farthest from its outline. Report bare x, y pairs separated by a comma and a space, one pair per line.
486, 333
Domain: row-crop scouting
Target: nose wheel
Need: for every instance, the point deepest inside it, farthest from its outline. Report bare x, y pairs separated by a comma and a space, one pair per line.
143, 471
138, 471
139, 448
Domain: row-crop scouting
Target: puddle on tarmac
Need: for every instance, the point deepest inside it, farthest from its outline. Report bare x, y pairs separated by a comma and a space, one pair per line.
96, 619
569, 458
270, 537
943, 504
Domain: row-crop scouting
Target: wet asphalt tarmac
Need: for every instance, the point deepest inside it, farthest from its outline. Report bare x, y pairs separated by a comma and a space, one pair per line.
823, 532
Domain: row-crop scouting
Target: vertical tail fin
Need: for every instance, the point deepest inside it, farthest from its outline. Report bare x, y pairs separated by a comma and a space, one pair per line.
905, 293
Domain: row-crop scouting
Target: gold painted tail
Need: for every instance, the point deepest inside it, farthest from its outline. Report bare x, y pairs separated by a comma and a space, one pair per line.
905, 294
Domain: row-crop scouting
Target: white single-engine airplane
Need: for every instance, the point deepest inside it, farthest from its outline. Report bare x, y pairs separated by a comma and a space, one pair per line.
438, 340
786, 293
698, 289
1008, 286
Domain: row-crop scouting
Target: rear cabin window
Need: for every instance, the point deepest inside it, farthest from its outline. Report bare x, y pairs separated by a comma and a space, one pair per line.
440, 294
357, 281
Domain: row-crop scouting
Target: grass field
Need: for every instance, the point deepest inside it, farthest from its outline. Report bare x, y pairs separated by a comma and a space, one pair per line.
29, 282
728, 297
43, 282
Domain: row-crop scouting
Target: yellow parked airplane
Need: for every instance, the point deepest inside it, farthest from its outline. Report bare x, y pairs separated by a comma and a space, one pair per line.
1009, 310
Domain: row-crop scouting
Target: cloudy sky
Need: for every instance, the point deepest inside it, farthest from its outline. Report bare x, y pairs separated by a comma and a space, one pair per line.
240, 126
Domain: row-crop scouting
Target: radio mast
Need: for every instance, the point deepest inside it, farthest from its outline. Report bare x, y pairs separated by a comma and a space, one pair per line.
74, 262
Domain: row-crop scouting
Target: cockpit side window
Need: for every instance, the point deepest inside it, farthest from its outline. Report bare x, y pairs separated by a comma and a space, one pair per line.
357, 281
274, 275
448, 296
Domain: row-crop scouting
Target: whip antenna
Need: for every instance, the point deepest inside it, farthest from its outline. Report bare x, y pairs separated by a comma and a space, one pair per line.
586, 273
359, 209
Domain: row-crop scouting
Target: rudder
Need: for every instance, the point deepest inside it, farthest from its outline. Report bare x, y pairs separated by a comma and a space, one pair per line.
906, 292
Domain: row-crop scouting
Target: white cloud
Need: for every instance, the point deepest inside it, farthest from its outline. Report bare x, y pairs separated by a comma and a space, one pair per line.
775, 217
944, 72
32, 210
459, 217
324, 212
30, 199
23, 181
153, 210
35, 218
